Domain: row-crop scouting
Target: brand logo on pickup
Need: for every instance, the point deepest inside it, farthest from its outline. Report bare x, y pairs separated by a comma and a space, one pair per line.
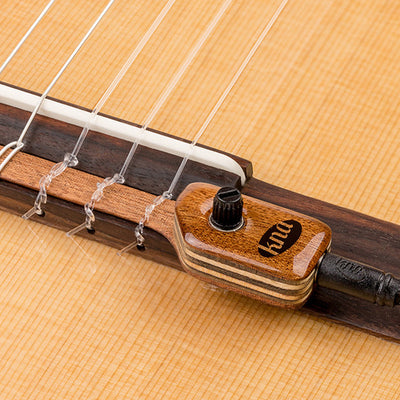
279, 238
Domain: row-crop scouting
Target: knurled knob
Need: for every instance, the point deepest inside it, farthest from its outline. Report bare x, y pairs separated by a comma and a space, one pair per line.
227, 209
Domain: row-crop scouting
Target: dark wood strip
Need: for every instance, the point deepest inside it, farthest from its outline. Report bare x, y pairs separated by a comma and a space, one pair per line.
356, 236
103, 155
110, 230
325, 303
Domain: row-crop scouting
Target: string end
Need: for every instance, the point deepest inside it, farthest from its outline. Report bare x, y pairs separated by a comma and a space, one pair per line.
127, 248
77, 229
30, 213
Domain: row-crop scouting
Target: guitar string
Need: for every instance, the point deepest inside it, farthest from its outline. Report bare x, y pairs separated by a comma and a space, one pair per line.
127, 248
119, 177
71, 159
139, 230
13, 145
19, 143
29, 31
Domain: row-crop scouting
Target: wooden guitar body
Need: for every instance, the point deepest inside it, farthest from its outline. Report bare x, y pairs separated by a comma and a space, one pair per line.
316, 111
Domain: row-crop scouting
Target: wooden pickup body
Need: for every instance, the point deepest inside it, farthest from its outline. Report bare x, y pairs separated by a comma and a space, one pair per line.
272, 257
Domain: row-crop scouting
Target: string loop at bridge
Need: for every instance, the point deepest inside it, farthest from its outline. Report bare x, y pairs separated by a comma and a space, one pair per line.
15, 147
148, 211
151, 115
60, 168
69, 161
96, 196
215, 109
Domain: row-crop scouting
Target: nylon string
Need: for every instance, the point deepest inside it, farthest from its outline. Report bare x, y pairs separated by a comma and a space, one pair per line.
14, 145
169, 193
19, 144
119, 177
29, 31
71, 159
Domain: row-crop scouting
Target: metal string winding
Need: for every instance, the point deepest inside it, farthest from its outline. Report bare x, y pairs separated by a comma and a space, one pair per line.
71, 159
17, 145
28, 32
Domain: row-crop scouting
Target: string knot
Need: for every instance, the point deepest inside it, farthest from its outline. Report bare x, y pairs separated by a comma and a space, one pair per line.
15, 147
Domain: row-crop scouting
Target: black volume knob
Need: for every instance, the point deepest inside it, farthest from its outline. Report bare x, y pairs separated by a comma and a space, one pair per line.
227, 209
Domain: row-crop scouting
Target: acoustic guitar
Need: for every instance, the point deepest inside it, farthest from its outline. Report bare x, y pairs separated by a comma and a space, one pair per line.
308, 91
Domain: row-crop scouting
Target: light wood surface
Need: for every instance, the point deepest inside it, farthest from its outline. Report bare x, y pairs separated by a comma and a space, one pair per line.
77, 187
316, 110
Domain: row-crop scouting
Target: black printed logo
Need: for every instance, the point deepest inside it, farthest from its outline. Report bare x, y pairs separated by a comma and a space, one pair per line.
279, 238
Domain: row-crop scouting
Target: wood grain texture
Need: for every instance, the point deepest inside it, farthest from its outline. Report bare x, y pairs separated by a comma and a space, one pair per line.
356, 235
233, 260
316, 111
77, 187
50, 139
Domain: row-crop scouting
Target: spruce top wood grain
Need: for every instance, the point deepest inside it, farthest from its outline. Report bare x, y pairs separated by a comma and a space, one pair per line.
317, 112
356, 236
